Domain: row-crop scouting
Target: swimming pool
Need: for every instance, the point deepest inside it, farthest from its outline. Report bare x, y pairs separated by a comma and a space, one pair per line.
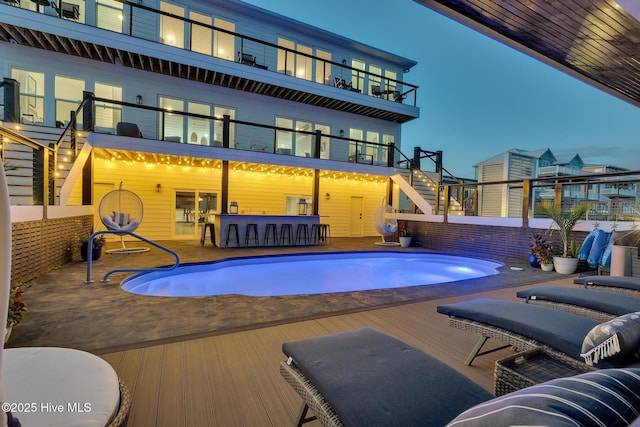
303, 274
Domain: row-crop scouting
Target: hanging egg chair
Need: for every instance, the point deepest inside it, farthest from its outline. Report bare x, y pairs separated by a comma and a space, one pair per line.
122, 210
386, 223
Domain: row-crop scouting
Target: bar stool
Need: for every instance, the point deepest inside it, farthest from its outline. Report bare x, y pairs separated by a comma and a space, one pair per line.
247, 235
273, 230
212, 232
235, 228
325, 230
286, 229
302, 231
316, 234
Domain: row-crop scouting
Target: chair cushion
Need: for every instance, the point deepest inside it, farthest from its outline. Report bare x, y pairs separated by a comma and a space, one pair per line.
121, 218
608, 302
373, 379
608, 397
617, 340
560, 330
627, 282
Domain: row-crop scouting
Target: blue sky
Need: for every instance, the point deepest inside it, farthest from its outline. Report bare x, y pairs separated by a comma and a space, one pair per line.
477, 96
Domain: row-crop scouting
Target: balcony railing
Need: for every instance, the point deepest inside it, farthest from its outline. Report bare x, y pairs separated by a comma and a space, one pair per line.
137, 20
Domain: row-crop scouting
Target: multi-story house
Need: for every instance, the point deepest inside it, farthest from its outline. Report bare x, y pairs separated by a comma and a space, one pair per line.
194, 104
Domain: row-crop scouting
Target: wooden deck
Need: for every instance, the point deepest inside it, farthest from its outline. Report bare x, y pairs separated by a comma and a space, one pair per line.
233, 379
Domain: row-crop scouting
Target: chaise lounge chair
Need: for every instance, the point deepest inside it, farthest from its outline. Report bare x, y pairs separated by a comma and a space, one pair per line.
367, 378
566, 335
628, 285
592, 303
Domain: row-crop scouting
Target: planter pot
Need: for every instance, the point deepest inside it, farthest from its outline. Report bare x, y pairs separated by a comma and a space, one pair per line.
533, 261
546, 267
405, 241
565, 265
95, 255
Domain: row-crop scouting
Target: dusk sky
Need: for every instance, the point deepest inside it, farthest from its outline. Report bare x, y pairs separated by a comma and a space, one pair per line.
477, 96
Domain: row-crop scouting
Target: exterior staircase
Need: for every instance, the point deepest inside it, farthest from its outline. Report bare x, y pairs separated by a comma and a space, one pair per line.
424, 194
20, 158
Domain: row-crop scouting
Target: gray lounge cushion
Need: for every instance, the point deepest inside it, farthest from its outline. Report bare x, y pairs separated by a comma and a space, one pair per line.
560, 330
373, 379
627, 282
617, 340
608, 397
606, 302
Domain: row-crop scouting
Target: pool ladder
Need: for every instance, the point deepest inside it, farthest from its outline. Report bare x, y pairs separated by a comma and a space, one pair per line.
127, 270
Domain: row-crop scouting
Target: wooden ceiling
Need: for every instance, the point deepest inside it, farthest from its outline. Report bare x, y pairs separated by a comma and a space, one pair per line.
595, 40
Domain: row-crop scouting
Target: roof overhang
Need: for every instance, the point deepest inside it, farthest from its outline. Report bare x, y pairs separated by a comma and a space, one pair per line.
596, 41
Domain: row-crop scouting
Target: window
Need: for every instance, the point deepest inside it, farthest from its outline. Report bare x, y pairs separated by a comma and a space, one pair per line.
284, 139
219, 113
292, 204
193, 209
370, 149
285, 57
374, 81
300, 141
198, 128
390, 84
107, 114
304, 64
201, 36
172, 127
224, 43
31, 95
109, 15
386, 140
172, 29
354, 134
323, 69
357, 78
68, 94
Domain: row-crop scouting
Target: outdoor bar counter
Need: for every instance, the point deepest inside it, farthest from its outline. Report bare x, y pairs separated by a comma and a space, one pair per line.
222, 221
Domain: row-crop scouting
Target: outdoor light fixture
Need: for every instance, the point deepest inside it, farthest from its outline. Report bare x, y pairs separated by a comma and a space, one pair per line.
158, 187
233, 208
139, 99
327, 196
302, 207
341, 132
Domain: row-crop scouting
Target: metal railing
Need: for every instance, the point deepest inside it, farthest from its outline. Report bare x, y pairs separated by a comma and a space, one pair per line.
105, 278
135, 19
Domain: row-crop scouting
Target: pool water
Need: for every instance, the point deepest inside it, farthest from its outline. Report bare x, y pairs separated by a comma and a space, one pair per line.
303, 274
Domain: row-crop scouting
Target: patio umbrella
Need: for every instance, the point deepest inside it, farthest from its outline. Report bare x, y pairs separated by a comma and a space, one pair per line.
5, 270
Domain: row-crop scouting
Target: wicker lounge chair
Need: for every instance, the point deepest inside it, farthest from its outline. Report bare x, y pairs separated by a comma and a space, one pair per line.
621, 284
367, 378
593, 303
523, 326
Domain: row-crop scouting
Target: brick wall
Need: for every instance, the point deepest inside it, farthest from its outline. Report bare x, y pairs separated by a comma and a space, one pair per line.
40, 246
506, 244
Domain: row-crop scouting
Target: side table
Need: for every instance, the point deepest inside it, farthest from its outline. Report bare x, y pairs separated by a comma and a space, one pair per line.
533, 367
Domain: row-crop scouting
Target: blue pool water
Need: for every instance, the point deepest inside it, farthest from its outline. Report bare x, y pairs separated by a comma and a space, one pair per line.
304, 274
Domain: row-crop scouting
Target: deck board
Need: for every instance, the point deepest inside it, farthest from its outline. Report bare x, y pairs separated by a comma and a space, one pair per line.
233, 379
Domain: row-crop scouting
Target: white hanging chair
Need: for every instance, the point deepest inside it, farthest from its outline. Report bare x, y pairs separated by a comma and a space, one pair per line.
122, 210
386, 224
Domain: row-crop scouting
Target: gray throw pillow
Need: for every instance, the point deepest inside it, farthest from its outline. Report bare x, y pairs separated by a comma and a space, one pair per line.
618, 339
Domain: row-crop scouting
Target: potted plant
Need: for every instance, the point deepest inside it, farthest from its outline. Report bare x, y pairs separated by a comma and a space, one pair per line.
545, 257
15, 311
403, 234
564, 224
98, 243
538, 241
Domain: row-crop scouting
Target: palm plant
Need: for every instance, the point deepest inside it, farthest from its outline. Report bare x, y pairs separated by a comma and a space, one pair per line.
565, 222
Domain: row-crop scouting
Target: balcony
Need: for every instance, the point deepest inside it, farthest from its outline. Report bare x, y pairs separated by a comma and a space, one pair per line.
257, 67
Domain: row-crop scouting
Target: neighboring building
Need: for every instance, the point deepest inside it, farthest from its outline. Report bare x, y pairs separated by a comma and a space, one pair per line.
233, 102
518, 164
